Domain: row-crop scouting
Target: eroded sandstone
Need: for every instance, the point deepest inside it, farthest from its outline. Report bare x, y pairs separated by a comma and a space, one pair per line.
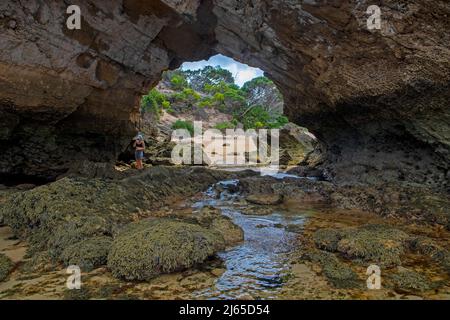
377, 100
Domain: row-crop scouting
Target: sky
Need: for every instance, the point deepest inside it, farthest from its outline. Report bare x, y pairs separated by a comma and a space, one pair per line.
241, 72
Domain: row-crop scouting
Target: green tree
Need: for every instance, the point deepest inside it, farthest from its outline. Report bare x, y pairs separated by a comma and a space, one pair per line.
153, 102
209, 75
262, 91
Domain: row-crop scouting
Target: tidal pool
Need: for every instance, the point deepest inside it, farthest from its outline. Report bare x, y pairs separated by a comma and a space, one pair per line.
258, 266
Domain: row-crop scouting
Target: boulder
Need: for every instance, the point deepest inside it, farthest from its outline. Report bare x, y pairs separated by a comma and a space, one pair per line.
409, 281
149, 248
379, 244
213, 219
88, 254
337, 273
55, 216
327, 239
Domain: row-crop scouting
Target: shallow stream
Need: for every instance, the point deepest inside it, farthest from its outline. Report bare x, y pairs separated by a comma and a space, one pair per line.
259, 265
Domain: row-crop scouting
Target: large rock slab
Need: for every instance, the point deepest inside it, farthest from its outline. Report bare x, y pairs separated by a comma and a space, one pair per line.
147, 249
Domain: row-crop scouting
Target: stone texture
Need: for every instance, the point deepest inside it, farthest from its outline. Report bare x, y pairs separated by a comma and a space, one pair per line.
148, 248
377, 100
56, 216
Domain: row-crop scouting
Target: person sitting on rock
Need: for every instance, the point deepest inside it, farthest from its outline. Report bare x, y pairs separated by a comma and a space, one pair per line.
139, 145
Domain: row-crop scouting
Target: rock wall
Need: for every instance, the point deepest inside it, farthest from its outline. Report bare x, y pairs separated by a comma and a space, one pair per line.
377, 100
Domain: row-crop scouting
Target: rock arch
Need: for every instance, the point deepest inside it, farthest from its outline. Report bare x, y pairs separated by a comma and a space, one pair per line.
377, 100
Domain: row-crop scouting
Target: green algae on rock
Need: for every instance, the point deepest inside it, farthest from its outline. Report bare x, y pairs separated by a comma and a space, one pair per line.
327, 239
6, 266
88, 254
378, 244
148, 248
428, 247
337, 272
213, 219
410, 281
55, 216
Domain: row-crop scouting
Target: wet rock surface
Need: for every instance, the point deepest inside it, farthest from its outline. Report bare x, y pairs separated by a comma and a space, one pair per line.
213, 218
56, 216
411, 201
290, 252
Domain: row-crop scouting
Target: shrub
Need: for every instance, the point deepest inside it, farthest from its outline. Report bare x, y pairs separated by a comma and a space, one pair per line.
181, 124
224, 125
178, 81
154, 102
257, 118
166, 104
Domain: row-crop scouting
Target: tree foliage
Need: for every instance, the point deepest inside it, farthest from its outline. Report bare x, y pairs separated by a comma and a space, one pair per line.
208, 76
258, 104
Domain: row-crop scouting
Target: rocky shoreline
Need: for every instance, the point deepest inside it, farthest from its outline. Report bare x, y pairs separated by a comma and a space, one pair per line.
104, 224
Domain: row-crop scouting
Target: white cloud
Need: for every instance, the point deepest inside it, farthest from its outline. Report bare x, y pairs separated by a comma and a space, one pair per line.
241, 72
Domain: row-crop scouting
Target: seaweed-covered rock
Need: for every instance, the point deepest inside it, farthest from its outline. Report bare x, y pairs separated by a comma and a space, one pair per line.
409, 281
428, 247
213, 219
72, 232
378, 244
148, 248
327, 239
77, 294
338, 273
6, 265
60, 214
88, 254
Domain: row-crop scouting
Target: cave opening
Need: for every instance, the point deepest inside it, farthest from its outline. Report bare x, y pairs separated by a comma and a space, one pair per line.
222, 94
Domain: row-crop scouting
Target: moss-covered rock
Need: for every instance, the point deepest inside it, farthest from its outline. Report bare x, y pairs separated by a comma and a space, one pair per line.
327, 239
6, 266
88, 254
428, 247
337, 273
57, 215
148, 248
411, 282
72, 232
213, 219
379, 244
77, 294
